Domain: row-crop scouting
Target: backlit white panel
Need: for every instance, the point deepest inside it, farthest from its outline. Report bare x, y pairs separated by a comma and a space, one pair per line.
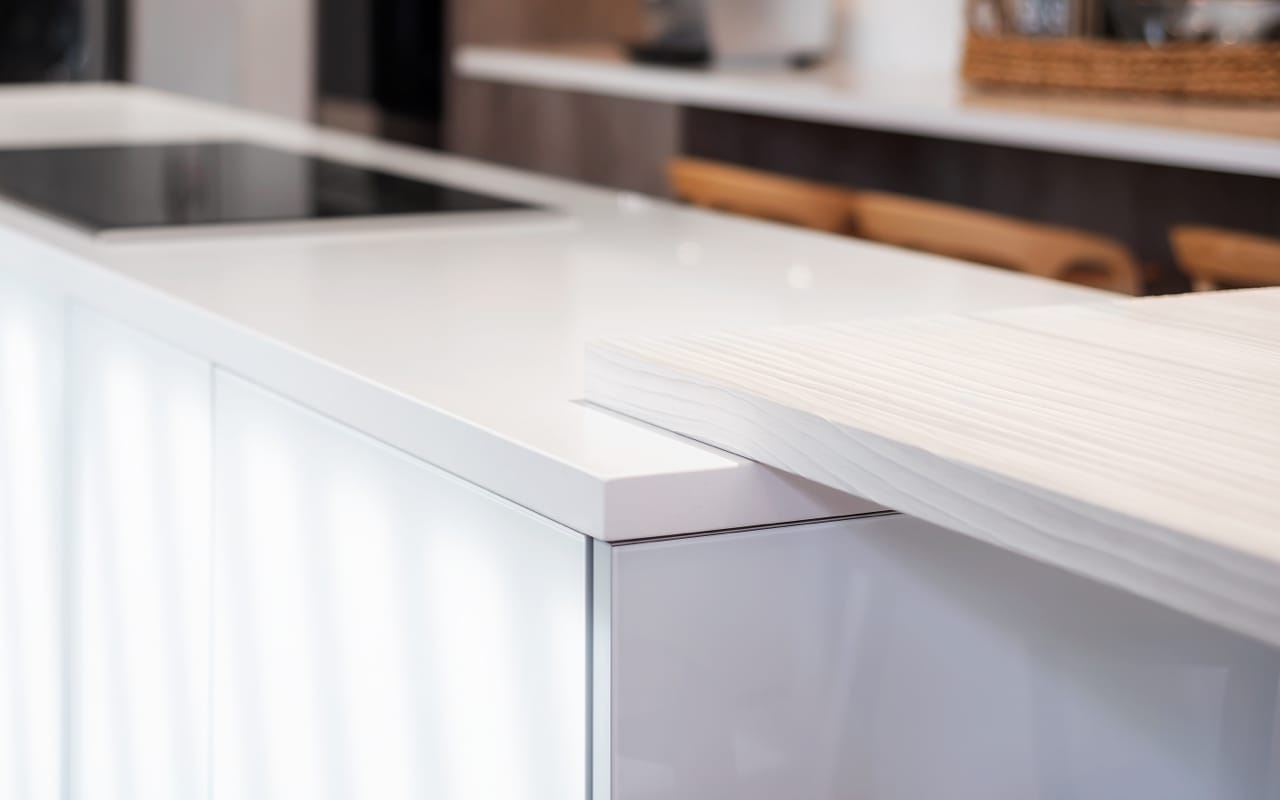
141, 526
383, 630
887, 659
31, 360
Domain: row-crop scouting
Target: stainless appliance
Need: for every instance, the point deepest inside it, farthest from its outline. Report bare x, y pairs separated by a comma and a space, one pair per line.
698, 31
785, 30
676, 33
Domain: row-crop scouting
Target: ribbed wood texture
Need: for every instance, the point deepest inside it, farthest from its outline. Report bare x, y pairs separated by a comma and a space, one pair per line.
1237, 72
609, 141
1135, 442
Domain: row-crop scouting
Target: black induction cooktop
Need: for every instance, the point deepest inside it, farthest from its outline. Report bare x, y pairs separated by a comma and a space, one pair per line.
111, 188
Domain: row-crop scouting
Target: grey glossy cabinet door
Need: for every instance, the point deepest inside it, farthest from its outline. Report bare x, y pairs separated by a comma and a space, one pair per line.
382, 629
139, 536
31, 516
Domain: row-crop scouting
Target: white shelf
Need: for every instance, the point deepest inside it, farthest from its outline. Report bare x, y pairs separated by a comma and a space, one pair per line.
1244, 140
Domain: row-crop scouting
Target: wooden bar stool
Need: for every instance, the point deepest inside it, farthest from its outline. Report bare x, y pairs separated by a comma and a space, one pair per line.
762, 195
1045, 250
1049, 251
1215, 258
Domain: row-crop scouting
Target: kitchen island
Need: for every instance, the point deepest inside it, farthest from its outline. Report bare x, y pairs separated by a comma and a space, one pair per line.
321, 512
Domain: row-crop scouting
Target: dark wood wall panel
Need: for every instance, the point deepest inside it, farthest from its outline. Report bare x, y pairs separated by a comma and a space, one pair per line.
624, 144
607, 141
1135, 203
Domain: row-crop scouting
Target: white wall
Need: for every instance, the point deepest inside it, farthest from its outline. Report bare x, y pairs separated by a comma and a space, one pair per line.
902, 35
252, 53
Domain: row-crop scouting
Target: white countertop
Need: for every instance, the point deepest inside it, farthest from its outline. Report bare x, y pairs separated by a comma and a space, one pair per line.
1199, 135
465, 346
1136, 442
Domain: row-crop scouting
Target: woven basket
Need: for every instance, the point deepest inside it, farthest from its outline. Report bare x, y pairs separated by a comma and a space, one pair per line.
1235, 72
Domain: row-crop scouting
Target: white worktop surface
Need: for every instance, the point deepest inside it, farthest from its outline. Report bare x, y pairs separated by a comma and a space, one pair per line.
1238, 139
1136, 442
464, 345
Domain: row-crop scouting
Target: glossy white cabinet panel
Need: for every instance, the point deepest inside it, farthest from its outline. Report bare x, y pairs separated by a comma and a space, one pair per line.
31, 492
140, 534
383, 630
887, 659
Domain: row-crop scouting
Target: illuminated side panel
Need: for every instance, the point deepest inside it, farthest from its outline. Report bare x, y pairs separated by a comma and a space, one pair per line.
31, 361
140, 534
383, 630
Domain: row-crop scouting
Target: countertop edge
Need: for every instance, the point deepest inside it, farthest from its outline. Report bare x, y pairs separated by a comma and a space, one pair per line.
741, 494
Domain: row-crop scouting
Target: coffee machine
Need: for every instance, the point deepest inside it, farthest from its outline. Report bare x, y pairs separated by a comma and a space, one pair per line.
696, 32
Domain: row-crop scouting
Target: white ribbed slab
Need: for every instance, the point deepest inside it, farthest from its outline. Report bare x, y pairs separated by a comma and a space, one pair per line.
1135, 442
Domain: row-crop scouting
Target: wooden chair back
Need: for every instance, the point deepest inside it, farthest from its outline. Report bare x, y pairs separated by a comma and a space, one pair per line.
1046, 250
1215, 257
758, 194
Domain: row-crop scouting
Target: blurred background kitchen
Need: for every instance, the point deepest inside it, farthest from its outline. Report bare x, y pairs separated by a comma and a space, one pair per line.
1132, 144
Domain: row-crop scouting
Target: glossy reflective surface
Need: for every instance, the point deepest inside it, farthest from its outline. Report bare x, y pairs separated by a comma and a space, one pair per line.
140, 446
888, 659
372, 627
31, 330
209, 183
382, 630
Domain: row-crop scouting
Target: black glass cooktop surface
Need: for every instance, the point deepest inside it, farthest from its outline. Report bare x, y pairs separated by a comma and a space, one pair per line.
132, 187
